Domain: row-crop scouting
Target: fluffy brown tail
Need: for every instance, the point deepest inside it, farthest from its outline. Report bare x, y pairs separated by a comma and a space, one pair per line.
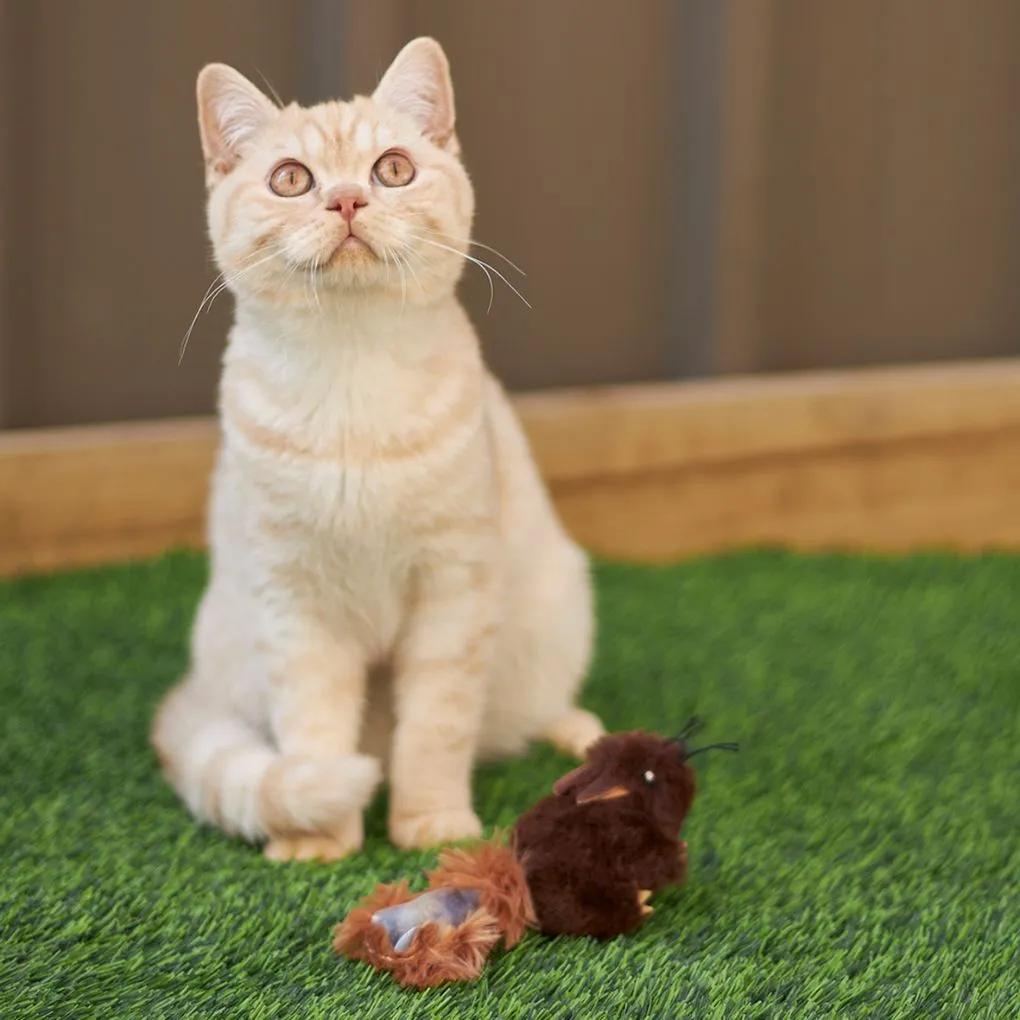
494, 870
438, 955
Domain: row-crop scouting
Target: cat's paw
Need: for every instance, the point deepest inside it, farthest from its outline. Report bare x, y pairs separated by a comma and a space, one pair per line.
322, 848
411, 832
575, 731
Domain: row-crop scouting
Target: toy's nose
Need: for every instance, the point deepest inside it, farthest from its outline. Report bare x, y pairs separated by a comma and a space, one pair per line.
346, 199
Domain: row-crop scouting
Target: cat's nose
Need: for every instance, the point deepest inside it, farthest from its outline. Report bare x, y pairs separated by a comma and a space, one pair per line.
346, 199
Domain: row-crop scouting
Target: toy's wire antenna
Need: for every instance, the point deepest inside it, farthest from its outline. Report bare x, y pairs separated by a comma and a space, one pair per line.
712, 747
690, 728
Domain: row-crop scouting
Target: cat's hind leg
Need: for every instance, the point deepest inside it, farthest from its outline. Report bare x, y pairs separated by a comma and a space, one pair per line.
544, 652
574, 731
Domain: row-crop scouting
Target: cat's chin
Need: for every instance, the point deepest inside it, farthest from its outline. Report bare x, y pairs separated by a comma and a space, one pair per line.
351, 251
351, 265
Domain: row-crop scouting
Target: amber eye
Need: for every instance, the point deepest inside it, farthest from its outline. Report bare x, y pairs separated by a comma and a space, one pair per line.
291, 179
394, 170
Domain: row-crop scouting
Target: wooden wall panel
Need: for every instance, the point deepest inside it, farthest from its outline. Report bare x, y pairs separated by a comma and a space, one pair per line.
870, 184
112, 253
8, 73
741, 250
880, 459
886, 221
566, 114
948, 493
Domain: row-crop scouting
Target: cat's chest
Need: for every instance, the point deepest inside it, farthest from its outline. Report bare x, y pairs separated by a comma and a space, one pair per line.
342, 532
367, 461
345, 502
355, 459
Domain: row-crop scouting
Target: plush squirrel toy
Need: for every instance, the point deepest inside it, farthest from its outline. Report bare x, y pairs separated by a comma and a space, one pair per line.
583, 861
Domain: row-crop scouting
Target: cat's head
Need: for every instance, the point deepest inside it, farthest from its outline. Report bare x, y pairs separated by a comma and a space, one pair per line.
363, 196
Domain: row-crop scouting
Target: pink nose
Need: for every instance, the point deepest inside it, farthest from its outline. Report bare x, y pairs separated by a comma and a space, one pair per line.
346, 200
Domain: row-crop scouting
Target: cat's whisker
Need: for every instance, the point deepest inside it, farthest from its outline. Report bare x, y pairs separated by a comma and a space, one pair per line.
224, 284
272, 89
220, 284
478, 244
403, 283
488, 276
285, 283
313, 273
290, 275
198, 311
509, 262
306, 283
484, 266
409, 251
481, 265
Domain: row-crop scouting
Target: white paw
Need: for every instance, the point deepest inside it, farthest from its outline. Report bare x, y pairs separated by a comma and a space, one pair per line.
434, 828
575, 731
318, 847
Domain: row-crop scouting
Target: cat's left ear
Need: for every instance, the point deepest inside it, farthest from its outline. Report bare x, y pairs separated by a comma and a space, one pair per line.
418, 85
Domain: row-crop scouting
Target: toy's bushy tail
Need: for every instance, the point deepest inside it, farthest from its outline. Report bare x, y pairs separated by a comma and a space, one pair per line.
493, 869
437, 954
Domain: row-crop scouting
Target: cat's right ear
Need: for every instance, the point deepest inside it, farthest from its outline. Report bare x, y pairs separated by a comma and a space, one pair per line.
230, 112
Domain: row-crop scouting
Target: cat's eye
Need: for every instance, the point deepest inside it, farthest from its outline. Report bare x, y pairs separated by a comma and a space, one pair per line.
394, 170
649, 777
291, 179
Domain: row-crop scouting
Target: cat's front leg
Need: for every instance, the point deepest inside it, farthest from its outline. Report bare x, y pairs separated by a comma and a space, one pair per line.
440, 680
316, 698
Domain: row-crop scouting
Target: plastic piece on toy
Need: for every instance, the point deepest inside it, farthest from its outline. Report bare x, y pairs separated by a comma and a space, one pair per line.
447, 908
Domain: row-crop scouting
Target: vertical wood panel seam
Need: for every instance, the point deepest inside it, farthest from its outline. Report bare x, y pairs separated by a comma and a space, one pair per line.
324, 63
698, 134
7, 148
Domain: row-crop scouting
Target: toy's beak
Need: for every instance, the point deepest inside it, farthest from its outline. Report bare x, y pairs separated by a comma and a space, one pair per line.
599, 791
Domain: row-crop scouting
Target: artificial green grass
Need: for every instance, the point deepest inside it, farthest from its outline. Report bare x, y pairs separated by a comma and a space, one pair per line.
859, 858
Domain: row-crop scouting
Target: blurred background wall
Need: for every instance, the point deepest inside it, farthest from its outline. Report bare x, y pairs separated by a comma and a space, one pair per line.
693, 187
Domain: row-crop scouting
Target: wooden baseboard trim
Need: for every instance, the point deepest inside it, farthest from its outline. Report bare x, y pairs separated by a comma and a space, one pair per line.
888, 459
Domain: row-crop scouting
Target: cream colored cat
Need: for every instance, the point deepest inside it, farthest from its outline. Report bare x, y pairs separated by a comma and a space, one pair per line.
390, 587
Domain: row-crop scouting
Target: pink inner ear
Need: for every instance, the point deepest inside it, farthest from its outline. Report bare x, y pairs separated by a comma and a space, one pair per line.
571, 781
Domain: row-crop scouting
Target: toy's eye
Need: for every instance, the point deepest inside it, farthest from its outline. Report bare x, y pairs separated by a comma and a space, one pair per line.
649, 777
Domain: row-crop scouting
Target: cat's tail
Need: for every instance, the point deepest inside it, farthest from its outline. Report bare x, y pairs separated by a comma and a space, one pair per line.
230, 777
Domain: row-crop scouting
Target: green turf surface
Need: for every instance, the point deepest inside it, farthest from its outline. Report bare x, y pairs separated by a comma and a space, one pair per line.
859, 858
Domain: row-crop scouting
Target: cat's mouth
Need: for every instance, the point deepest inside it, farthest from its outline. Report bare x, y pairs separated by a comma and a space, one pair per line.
351, 247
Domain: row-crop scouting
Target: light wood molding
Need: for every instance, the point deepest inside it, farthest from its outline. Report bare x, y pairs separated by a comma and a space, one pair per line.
884, 459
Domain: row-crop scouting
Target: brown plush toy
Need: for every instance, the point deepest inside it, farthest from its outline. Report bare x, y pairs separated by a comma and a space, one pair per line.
583, 861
